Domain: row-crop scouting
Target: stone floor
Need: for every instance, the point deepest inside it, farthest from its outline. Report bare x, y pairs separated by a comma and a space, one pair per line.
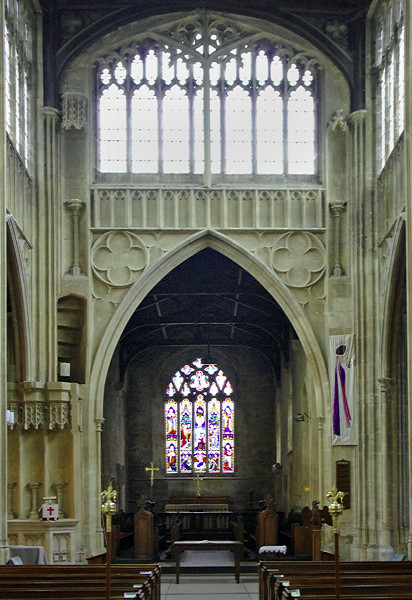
210, 587
209, 576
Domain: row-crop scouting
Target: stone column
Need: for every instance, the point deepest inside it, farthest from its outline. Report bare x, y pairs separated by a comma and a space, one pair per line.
99, 528
10, 512
75, 206
49, 246
408, 196
337, 209
3, 313
368, 482
34, 488
386, 548
59, 492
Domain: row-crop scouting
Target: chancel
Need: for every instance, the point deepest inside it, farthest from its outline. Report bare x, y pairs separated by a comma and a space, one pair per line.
205, 287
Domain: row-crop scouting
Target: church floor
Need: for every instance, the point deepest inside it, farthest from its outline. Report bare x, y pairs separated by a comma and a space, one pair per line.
211, 586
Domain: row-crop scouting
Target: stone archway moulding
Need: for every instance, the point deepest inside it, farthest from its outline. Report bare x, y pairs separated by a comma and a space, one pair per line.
390, 266
16, 267
266, 278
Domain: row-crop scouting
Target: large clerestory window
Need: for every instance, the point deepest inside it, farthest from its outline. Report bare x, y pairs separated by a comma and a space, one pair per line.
207, 99
18, 76
199, 421
389, 67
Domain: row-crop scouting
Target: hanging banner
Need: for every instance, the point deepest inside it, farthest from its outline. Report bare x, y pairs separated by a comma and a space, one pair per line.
342, 376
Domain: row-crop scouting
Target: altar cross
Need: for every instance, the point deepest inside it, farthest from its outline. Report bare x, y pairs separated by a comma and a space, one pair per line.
152, 469
198, 480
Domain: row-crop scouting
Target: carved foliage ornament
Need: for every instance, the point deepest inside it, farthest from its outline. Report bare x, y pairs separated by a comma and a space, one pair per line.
299, 259
119, 258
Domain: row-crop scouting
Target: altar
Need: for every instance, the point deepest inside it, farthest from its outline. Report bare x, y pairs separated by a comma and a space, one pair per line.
200, 517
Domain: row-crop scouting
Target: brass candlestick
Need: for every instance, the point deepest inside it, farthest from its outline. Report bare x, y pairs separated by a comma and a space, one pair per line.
335, 500
108, 508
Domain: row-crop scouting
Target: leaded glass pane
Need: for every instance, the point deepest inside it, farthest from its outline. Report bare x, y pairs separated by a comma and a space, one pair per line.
176, 131
269, 132
227, 435
185, 436
171, 436
301, 132
144, 131
238, 132
214, 434
113, 130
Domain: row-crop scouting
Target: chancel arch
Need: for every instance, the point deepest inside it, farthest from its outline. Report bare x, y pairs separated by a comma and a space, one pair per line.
134, 392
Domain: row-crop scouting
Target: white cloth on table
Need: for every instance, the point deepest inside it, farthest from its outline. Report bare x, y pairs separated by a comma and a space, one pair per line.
277, 549
30, 555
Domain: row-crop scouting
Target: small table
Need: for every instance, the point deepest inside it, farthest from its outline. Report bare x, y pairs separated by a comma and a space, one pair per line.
208, 545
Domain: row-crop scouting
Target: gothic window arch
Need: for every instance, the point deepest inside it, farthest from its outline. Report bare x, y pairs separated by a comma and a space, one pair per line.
205, 100
199, 421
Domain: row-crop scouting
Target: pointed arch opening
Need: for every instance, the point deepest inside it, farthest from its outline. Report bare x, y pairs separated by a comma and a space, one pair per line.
208, 303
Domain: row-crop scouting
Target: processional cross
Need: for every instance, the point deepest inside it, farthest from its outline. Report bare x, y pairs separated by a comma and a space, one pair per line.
152, 469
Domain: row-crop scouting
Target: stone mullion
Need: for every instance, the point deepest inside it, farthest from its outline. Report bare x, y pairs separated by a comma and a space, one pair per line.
3, 314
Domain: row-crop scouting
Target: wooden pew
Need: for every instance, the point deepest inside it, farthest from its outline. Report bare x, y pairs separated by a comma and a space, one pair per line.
352, 585
269, 572
79, 581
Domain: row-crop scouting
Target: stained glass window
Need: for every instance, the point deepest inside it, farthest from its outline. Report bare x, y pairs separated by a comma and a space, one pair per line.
199, 421
189, 100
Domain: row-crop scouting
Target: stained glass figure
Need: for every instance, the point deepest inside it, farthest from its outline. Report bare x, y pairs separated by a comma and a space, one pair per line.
199, 421
171, 435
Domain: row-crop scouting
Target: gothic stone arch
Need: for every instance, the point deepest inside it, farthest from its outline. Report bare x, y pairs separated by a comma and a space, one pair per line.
267, 279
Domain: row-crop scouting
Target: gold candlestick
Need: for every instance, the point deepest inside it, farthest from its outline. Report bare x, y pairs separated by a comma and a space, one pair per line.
109, 505
335, 500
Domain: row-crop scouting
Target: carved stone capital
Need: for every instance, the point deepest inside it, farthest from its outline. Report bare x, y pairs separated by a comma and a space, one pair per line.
99, 424
337, 207
75, 206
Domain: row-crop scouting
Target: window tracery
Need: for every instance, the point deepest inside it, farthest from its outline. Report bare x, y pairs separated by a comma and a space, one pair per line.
207, 99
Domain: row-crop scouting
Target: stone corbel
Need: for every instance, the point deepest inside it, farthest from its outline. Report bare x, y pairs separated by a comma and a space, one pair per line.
33, 414
58, 401
16, 409
32, 405
338, 123
74, 111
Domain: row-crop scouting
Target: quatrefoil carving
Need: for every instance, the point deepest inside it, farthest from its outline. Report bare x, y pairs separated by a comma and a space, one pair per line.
119, 258
299, 259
